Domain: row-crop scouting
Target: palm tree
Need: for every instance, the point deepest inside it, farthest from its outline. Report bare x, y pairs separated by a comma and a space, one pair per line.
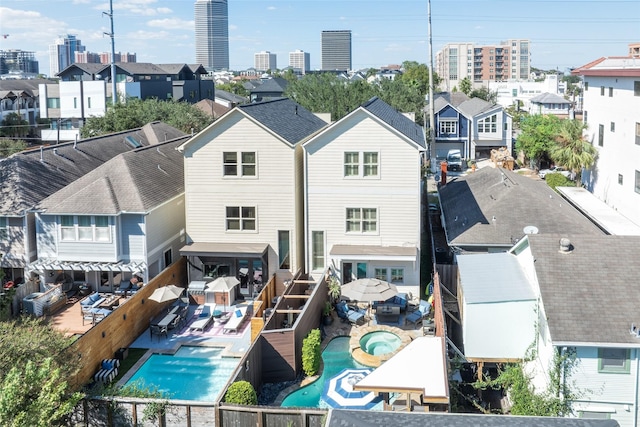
573, 151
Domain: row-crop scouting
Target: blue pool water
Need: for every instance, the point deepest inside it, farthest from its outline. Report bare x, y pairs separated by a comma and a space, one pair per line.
379, 342
336, 357
192, 373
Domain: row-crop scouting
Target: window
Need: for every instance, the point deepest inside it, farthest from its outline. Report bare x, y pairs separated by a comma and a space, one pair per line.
241, 218
248, 163
586, 86
397, 275
380, 274
613, 126
75, 102
601, 90
85, 232
168, 257
317, 250
595, 415
448, 127
362, 220
283, 249
53, 102
369, 166
600, 135
636, 88
613, 360
620, 178
488, 124
89, 102
230, 163
4, 230
637, 186
637, 133
67, 228
610, 92
102, 228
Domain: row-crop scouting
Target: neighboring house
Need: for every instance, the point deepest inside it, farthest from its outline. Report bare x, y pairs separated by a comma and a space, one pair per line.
243, 183
125, 217
612, 114
471, 125
28, 177
271, 88
510, 92
21, 97
588, 306
85, 90
363, 197
550, 103
491, 209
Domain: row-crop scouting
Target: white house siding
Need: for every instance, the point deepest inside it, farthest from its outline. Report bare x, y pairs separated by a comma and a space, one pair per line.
272, 192
619, 155
395, 193
165, 226
506, 333
82, 99
15, 242
131, 233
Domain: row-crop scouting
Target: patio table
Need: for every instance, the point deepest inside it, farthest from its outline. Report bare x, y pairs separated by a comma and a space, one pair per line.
166, 320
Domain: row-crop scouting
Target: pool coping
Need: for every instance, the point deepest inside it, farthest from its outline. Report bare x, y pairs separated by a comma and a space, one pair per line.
371, 360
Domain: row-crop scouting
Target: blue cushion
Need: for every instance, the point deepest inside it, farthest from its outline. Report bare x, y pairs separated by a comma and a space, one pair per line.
107, 365
94, 297
238, 313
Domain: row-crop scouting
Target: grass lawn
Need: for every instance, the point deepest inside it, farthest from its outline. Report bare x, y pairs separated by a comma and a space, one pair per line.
134, 355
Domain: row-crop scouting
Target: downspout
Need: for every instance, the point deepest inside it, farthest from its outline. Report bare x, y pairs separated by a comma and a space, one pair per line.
635, 392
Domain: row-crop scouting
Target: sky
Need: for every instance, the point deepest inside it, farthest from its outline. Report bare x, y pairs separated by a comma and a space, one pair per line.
563, 33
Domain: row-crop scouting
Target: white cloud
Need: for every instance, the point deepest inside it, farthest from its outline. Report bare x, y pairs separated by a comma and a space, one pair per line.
172, 24
271, 8
148, 35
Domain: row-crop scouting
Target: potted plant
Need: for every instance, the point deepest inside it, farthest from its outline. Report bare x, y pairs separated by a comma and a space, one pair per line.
334, 288
326, 313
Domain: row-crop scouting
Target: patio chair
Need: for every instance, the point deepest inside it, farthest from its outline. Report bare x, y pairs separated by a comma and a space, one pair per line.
236, 320
107, 372
204, 318
158, 330
417, 316
353, 315
92, 301
123, 289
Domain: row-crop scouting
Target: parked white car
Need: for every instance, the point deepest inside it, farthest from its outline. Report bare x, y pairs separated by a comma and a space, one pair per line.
555, 169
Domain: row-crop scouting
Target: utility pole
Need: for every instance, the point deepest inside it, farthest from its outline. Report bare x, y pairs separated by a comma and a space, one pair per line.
432, 132
114, 99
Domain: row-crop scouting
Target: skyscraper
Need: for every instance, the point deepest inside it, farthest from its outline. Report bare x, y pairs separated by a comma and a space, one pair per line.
264, 61
336, 50
62, 53
300, 60
212, 34
18, 60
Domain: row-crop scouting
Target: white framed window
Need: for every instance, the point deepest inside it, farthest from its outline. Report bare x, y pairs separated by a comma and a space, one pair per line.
242, 164
613, 360
448, 126
317, 250
488, 124
85, 231
4, 228
361, 164
102, 229
381, 273
85, 228
397, 275
67, 228
361, 220
241, 218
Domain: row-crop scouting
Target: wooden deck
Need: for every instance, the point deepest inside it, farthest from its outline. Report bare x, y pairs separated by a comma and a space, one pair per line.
69, 319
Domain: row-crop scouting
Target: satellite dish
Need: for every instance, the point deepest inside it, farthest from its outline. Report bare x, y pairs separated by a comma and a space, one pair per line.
530, 229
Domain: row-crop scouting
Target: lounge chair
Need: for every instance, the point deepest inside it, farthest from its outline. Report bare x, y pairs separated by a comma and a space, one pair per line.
124, 288
353, 315
237, 318
107, 372
204, 318
417, 316
92, 301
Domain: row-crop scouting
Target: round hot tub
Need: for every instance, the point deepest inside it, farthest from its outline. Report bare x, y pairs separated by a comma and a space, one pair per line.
380, 342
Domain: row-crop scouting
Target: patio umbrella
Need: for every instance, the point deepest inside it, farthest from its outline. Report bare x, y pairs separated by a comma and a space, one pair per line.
224, 284
369, 290
339, 392
166, 293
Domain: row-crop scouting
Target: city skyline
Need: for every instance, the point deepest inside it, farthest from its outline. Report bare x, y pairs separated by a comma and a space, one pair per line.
163, 31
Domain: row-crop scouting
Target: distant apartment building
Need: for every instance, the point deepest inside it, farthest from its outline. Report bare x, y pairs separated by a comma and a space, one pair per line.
336, 50
16, 60
264, 61
482, 64
212, 34
62, 53
103, 57
300, 61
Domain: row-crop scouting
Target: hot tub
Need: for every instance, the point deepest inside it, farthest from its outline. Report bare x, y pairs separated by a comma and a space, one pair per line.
380, 342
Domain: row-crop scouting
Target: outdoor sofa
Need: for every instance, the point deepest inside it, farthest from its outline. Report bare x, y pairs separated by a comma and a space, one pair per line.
401, 300
107, 372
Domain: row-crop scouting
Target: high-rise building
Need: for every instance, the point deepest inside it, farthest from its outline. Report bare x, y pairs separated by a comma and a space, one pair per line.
509, 60
212, 34
62, 53
103, 57
265, 60
18, 60
300, 61
336, 50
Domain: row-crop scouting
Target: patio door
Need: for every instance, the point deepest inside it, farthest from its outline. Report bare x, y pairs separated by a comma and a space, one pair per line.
353, 270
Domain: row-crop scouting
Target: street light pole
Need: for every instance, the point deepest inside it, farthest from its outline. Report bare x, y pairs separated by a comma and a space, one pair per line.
114, 100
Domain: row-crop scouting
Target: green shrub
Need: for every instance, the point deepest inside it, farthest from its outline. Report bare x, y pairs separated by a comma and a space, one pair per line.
311, 353
558, 180
241, 393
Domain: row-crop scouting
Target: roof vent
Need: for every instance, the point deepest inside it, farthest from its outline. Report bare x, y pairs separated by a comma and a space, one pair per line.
530, 229
42, 154
565, 246
55, 151
635, 330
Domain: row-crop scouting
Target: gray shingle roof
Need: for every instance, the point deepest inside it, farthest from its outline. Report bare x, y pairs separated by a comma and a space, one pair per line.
284, 117
275, 84
591, 294
358, 418
549, 98
396, 120
469, 107
25, 180
470, 203
135, 181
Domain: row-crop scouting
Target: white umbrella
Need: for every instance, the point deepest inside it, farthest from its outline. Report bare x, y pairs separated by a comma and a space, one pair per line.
369, 290
224, 284
166, 293
339, 392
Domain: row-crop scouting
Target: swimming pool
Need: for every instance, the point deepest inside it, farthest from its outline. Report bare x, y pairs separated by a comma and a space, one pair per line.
336, 357
192, 373
380, 342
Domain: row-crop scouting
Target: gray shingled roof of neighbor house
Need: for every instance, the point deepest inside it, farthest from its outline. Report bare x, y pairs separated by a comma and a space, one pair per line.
285, 118
28, 177
492, 207
549, 98
135, 181
590, 294
396, 120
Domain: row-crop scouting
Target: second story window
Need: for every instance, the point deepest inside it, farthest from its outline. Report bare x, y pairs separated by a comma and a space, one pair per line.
102, 228
85, 232
4, 229
85, 228
488, 124
67, 228
240, 164
241, 218
361, 164
362, 220
448, 127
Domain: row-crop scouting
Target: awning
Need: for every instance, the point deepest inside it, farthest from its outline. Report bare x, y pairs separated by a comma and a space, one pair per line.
41, 265
224, 249
417, 368
385, 253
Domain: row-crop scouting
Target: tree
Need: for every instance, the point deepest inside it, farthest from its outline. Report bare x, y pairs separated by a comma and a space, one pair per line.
14, 126
417, 75
573, 151
11, 146
136, 113
484, 93
234, 87
402, 97
465, 86
537, 137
